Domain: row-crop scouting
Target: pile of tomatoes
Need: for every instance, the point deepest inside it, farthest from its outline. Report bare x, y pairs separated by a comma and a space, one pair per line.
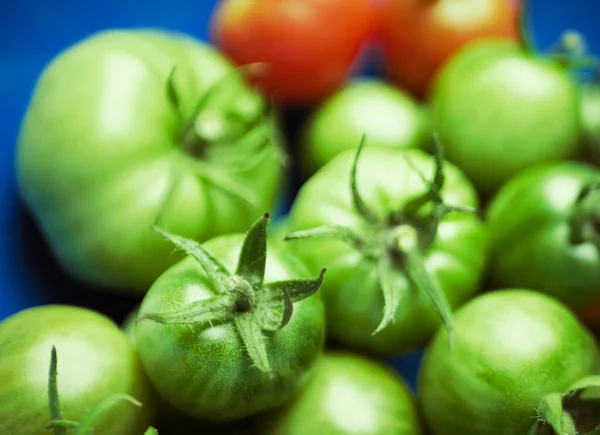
419, 219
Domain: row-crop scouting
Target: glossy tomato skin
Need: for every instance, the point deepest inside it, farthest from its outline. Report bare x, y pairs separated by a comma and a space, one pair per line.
386, 115
498, 111
420, 36
386, 179
205, 371
100, 148
348, 395
95, 360
308, 46
511, 348
530, 235
170, 420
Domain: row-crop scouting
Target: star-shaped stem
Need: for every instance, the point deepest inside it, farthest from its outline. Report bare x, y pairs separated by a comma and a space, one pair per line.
404, 242
242, 298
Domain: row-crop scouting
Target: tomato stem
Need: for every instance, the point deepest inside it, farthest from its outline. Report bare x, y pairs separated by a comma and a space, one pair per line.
53, 398
357, 200
242, 298
407, 245
585, 216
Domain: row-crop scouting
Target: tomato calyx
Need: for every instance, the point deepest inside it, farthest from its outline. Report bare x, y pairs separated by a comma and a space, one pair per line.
584, 220
572, 413
396, 244
60, 426
242, 298
223, 117
571, 51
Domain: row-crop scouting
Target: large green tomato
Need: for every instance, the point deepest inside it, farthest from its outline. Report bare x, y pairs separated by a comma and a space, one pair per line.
511, 349
499, 110
170, 420
545, 234
377, 262
95, 359
222, 342
127, 128
385, 114
348, 395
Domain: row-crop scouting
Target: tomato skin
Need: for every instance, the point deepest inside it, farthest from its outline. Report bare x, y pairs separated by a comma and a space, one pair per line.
384, 114
590, 119
348, 394
386, 179
420, 36
100, 144
512, 347
530, 235
521, 111
308, 46
205, 371
95, 360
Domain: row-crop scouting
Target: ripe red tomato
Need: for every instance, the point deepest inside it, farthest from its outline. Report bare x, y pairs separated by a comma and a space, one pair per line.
309, 46
419, 36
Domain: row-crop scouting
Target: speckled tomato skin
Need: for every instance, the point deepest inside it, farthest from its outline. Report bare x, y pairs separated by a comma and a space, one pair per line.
512, 347
95, 360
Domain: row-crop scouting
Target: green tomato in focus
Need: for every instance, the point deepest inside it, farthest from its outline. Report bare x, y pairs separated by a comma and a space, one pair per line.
512, 348
366, 261
171, 421
388, 117
499, 110
95, 358
221, 342
133, 127
348, 395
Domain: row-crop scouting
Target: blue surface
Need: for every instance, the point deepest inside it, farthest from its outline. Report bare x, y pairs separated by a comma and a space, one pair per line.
33, 31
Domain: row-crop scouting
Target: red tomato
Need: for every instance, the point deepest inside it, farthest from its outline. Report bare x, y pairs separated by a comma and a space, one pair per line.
309, 46
418, 36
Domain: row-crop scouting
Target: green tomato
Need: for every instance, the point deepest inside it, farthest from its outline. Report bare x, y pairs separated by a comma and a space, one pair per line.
128, 128
386, 115
545, 233
170, 420
348, 395
223, 346
512, 348
95, 361
367, 263
499, 110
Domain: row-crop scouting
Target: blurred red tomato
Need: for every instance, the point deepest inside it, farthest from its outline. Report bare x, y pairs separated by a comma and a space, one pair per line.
419, 36
308, 46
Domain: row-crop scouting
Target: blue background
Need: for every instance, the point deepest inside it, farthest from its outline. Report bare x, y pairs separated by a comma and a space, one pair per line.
33, 31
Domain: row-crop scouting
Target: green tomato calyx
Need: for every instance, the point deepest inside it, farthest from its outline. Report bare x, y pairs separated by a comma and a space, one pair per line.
571, 51
58, 424
585, 216
573, 413
223, 117
243, 298
396, 244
